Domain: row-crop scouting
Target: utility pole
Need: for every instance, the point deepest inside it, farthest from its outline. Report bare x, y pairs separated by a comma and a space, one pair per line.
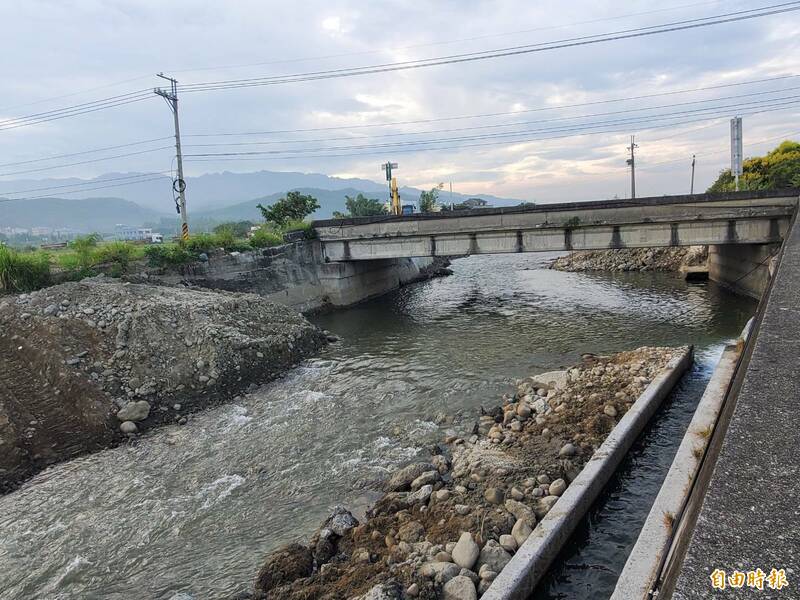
691, 189
736, 149
632, 162
178, 184
394, 197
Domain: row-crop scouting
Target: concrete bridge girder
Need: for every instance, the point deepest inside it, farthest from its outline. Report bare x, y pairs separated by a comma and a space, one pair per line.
749, 218
643, 235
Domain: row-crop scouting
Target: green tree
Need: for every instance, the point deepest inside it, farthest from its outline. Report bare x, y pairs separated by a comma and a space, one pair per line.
778, 169
428, 200
294, 207
361, 206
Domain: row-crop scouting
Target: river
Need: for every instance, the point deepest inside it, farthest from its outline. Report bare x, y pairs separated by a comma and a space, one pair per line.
190, 512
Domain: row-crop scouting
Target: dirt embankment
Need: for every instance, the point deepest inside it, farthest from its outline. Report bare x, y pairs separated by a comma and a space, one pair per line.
447, 526
85, 364
633, 259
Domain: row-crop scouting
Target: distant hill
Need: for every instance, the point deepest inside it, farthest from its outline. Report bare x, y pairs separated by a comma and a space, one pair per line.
206, 192
212, 198
334, 200
87, 215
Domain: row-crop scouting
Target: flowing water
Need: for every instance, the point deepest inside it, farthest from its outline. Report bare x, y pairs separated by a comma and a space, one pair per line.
190, 512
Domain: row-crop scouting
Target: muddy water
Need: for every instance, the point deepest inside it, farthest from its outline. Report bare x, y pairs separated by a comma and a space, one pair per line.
190, 512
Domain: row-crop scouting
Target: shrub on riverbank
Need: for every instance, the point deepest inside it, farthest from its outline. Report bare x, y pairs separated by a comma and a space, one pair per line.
265, 238
23, 272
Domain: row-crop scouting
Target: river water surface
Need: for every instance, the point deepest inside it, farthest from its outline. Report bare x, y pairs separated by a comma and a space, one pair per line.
190, 512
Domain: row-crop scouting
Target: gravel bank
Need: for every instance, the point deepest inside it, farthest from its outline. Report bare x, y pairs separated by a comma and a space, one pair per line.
447, 526
87, 364
633, 259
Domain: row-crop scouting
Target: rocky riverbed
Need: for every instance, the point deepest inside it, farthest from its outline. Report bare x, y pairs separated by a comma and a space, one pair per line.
88, 364
633, 259
445, 527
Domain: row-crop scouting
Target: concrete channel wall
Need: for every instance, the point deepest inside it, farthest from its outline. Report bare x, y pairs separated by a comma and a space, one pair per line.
298, 276
520, 576
644, 563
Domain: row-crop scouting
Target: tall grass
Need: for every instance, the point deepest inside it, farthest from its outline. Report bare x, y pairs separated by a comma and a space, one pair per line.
23, 272
264, 238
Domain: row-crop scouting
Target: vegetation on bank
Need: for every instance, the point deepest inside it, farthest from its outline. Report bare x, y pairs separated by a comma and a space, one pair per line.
778, 169
23, 271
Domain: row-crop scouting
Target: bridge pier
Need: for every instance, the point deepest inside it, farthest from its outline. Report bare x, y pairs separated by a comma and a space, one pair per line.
744, 268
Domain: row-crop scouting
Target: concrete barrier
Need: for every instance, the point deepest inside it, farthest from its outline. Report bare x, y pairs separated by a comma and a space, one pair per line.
520, 576
643, 567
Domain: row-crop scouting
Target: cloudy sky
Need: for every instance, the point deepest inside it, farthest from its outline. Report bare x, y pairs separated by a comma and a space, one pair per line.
63, 53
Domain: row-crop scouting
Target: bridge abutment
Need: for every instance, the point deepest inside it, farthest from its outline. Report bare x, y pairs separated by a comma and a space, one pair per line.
744, 268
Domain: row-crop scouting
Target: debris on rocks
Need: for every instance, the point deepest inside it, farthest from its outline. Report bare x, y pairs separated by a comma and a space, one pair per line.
633, 259
446, 527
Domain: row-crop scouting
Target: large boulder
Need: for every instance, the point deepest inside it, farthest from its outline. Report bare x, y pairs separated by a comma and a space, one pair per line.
284, 566
402, 479
466, 551
340, 521
493, 557
460, 588
134, 411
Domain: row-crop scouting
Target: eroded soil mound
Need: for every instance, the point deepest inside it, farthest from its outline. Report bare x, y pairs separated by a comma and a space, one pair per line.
447, 526
82, 364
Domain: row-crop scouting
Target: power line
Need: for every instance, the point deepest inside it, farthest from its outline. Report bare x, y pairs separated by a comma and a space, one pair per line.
83, 152
84, 162
776, 102
81, 184
37, 117
72, 94
442, 42
81, 191
500, 125
446, 119
502, 52
78, 109
494, 114
460, 146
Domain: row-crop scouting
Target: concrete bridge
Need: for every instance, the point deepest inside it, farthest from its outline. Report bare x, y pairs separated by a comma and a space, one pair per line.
740, 227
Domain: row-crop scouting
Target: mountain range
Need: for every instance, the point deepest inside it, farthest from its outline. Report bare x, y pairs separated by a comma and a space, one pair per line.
212, 198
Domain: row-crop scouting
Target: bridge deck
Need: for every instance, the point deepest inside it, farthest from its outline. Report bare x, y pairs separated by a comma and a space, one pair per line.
733, 218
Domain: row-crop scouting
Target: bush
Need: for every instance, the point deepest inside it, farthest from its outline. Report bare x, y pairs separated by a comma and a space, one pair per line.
119, 254
23, 272
304, 226
207, 242
168, 255
264, 238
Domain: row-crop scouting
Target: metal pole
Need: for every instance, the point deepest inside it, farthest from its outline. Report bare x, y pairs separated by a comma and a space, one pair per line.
736, 149
691, 189
632, 162
179, 184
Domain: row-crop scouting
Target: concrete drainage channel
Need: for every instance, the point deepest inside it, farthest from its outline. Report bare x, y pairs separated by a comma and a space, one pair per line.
520, 576
664, 523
